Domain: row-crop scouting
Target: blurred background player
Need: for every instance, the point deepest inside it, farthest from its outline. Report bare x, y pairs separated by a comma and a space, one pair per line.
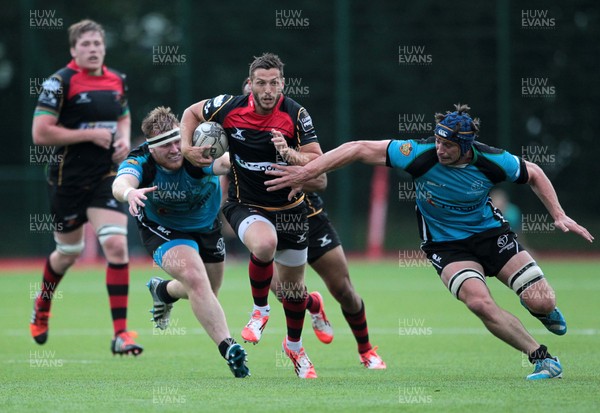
326, 256
510, 211
464, 236
176, 206
82, 111
262, 219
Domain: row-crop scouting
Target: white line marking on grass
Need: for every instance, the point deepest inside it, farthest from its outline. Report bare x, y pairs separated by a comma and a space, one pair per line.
28, 361
345, 331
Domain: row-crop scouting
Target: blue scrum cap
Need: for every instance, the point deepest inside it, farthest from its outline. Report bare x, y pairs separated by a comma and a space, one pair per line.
458, 127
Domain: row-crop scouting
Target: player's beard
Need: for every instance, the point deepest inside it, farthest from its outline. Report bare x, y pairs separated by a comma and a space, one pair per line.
262, 107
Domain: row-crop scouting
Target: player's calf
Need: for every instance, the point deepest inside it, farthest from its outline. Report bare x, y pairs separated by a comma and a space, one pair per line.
538, 297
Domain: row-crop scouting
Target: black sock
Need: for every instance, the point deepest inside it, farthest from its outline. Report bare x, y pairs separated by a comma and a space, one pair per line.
539, 354
163, 294
224, 345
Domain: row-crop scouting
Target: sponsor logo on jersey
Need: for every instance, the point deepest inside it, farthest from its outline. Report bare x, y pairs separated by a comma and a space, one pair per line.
305, 121
99, 125
218, 101
51, 85
435, 184
256, 166
129, 171
207, 106
48, 98
438, 204
133, 161
50, 88
406, 148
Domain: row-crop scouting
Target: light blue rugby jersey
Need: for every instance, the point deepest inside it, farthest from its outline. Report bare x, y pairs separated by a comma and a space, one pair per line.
453, 202
186, 200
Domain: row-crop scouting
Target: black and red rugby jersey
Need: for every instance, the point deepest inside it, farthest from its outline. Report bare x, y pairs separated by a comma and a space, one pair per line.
81, 101
250, 147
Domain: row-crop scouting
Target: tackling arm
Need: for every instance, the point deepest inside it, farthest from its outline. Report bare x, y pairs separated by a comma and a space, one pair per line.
293, 157
316, 185
122, 184
222, 165
369, 152
125, 189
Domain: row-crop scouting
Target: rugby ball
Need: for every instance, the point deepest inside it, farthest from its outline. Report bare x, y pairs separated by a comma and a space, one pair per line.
212, 134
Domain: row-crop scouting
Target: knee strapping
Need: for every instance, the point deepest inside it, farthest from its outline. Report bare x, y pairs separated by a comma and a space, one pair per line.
107, 231
528, 275
291, 258
457, 280
69, 249
249, 221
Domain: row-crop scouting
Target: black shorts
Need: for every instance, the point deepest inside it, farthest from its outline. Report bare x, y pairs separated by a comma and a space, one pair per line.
322, 236
291, 224
492, 249
68, 205
210, 245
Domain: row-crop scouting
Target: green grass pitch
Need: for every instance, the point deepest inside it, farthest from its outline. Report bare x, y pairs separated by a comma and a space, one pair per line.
439, 356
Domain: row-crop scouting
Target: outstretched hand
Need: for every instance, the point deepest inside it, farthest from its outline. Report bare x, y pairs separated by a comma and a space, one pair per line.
136, 199
566, 224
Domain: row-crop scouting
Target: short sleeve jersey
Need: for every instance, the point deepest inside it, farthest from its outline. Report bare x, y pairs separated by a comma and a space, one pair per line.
79, 100
452, 202
186, 200
250, 147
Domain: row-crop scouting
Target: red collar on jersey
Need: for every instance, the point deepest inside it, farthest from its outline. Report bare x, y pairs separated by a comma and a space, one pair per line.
74, 66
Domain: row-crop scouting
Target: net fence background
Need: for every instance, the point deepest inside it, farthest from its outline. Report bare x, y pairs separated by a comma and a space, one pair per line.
363, 70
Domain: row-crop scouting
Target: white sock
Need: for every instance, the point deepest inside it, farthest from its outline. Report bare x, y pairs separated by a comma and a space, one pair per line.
263, 310
293, 345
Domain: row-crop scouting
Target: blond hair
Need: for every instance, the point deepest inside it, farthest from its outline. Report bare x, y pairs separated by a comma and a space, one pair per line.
158, 121
83, 26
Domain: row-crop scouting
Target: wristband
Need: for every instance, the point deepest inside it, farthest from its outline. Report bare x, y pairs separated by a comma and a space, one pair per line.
127, 191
